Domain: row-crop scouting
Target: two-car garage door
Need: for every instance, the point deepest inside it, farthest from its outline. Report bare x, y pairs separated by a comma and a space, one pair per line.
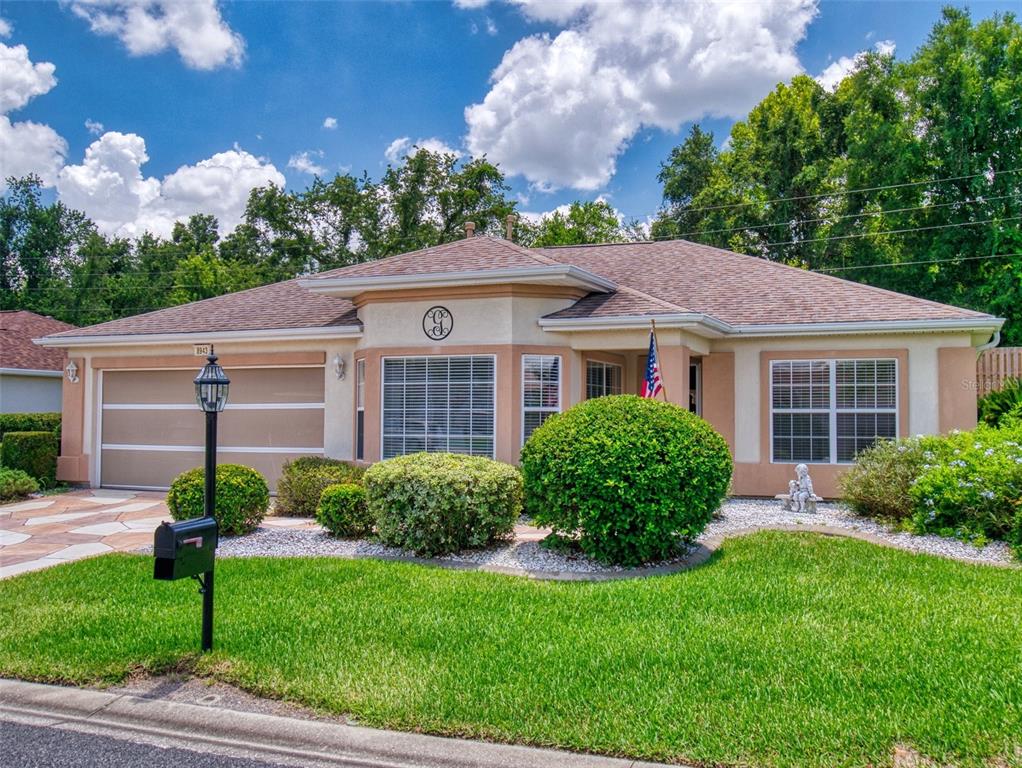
151, 429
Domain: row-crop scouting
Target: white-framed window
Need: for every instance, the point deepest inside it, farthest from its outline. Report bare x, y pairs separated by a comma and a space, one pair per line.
826, 411
541, 390
438, 403
602, 379
360, 409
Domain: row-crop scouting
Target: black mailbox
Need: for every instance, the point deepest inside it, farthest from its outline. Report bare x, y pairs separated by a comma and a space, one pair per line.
185, 549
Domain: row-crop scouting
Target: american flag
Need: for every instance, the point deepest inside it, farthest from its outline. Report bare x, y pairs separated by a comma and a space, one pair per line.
652, 385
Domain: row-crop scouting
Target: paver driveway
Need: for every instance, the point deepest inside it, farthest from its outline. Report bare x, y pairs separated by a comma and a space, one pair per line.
41, 532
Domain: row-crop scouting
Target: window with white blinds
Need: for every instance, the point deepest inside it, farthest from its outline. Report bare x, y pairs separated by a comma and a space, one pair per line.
827, 411
541, 390
602, 379
435, 403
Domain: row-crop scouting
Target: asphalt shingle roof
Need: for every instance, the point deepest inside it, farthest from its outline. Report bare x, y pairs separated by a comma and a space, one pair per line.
653, 278
17, 329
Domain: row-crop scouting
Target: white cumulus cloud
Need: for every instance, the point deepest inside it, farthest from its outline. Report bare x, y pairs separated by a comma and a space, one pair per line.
330, 123
22, 80
398, 148
562, 107
194, 28
111, 189
93, 126
840, 68
26, 147
5, 28
303, 162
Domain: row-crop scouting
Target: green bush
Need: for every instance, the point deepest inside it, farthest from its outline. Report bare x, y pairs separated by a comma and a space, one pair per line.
629, 477
438, 503
974, 487
343, 510
878, 484
995, 407
242, 497
303, 480
29, 422
32, 452
15, 484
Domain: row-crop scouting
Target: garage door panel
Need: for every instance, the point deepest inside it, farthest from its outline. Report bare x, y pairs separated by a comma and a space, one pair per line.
157, 469
151, 429
275, 428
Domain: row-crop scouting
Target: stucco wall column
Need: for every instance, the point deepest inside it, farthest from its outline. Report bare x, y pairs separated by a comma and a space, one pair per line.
719, 394
73, 464
674, 362
957, 388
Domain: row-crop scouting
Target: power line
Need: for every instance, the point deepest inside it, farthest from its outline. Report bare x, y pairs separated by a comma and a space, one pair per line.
797, 222
891, 231
850, 191
916, 263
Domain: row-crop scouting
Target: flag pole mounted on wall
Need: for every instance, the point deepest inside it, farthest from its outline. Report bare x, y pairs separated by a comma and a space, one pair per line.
653, 383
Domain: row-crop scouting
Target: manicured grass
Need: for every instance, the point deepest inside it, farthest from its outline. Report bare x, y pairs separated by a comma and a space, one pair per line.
784, 650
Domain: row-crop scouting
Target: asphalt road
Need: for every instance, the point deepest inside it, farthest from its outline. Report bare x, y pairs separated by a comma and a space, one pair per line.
32, 746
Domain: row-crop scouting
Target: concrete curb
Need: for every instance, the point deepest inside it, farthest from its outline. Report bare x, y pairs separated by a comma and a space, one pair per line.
310, 741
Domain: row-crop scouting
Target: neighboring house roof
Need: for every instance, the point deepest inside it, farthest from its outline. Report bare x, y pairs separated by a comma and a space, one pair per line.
674, 277
17, 329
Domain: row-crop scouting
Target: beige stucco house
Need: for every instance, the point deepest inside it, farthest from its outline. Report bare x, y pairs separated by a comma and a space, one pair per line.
468, 346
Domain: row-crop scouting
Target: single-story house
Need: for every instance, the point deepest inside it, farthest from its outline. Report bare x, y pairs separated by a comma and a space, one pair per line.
468, 346
30, 375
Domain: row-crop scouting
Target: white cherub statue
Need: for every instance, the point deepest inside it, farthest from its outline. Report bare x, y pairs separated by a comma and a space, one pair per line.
800, 491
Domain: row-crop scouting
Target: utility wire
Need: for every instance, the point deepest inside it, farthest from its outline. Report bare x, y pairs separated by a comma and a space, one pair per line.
915, 263
891, 231
838, 193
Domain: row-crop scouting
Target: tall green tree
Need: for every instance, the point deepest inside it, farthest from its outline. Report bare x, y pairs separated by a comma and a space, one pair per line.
583, 223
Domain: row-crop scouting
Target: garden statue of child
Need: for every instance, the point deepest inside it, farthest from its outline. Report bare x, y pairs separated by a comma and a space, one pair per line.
800, 491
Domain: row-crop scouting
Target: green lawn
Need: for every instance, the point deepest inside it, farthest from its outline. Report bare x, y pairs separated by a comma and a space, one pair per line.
783, 650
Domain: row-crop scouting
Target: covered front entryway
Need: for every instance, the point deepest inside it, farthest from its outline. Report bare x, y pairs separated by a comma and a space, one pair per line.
151, 429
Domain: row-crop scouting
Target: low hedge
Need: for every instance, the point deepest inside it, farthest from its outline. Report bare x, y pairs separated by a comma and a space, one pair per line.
303, 480
242, 497
439, 503
996, 408
35, 453
343, 511
15, 484
29, 422
626, 477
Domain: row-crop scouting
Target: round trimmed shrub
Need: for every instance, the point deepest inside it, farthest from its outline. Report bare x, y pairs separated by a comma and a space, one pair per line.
242, 497
302, 482
880, 481
15, 484
439, 503
628, 477
343, 511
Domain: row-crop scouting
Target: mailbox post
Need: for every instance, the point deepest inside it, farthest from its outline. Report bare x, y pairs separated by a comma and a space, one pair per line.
188, 548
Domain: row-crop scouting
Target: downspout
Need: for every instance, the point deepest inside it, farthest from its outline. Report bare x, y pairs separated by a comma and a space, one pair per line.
994, 341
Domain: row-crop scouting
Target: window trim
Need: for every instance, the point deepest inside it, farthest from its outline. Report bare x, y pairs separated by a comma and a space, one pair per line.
833, 410
496, 392
360, 380
540, 409
605, 364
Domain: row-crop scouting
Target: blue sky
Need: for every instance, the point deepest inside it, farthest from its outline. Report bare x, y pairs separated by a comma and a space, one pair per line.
387, 71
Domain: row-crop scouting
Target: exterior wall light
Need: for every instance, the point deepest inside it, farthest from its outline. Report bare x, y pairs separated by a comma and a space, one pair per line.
72, 372
339, 367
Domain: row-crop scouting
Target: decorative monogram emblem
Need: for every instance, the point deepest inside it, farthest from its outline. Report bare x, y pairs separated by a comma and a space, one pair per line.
437, 323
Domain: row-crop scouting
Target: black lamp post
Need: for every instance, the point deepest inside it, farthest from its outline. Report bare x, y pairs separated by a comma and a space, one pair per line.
211, 387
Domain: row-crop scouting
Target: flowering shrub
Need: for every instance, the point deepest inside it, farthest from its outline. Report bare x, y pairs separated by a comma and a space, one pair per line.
879, 484
974, 487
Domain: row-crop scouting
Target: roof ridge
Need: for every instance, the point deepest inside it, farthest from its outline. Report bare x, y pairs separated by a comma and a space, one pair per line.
654, 299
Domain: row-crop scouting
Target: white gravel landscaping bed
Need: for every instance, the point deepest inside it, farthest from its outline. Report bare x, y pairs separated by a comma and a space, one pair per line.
734, 515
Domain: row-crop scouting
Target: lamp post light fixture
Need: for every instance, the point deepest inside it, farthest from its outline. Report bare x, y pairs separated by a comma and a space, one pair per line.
211, 387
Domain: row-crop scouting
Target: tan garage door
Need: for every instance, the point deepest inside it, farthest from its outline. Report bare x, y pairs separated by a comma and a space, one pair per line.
152, 430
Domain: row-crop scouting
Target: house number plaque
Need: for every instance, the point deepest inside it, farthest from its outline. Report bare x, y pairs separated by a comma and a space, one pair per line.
437, 323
